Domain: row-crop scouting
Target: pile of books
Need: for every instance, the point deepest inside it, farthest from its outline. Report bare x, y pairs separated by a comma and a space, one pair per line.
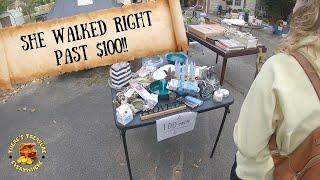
229, 44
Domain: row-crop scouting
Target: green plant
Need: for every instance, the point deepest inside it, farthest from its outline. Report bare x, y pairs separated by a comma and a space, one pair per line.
246, 10
3, 5
42, 2
279, 9
28, 7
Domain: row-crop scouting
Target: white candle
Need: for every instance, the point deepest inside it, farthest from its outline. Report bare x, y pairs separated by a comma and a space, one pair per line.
218, 96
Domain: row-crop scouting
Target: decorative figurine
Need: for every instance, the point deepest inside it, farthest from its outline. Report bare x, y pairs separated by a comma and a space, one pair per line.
124, 114
177, 69
169, 74
138, 105
206, 90
172, 96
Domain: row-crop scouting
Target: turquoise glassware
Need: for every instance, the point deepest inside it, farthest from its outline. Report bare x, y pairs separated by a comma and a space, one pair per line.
172, 57
160, 88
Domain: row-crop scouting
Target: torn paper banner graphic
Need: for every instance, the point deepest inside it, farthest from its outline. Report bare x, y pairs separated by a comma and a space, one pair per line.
90, 40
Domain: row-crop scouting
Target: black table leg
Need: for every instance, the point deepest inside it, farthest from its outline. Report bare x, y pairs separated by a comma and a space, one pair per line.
188, 46
217, 58
226, 111
223, 71
124, 140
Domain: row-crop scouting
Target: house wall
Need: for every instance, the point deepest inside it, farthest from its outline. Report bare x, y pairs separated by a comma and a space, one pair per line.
251, 4
16, 17
213, 7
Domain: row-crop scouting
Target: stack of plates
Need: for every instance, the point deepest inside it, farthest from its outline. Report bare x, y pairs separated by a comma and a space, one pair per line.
120, 74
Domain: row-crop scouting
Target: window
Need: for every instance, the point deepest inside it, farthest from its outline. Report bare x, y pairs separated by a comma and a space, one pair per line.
235, 3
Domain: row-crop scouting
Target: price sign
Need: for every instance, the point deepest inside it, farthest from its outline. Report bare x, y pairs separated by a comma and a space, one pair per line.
175, 125
84, 2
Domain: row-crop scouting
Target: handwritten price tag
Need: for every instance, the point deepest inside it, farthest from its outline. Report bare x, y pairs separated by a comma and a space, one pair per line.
175, 125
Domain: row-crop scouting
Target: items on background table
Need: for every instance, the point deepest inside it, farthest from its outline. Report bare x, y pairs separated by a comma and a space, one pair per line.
241, 21
253, 21
190, 101
163, 109
173, 57
191, 16
281, 27
124, 114
232, 39
234, 15
216, 38
229, 44
236, 22
206, 30
120, 74
203, 17
247, 39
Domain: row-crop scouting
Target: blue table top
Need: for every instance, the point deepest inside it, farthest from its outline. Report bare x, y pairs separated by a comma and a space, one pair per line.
208, 105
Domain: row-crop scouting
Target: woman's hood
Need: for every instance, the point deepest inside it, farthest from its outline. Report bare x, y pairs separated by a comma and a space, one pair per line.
310, 47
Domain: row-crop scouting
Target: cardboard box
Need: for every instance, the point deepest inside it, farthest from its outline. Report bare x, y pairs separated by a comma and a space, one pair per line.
206, 30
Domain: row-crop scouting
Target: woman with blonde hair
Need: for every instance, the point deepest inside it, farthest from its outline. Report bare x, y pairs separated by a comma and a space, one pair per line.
281, 100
